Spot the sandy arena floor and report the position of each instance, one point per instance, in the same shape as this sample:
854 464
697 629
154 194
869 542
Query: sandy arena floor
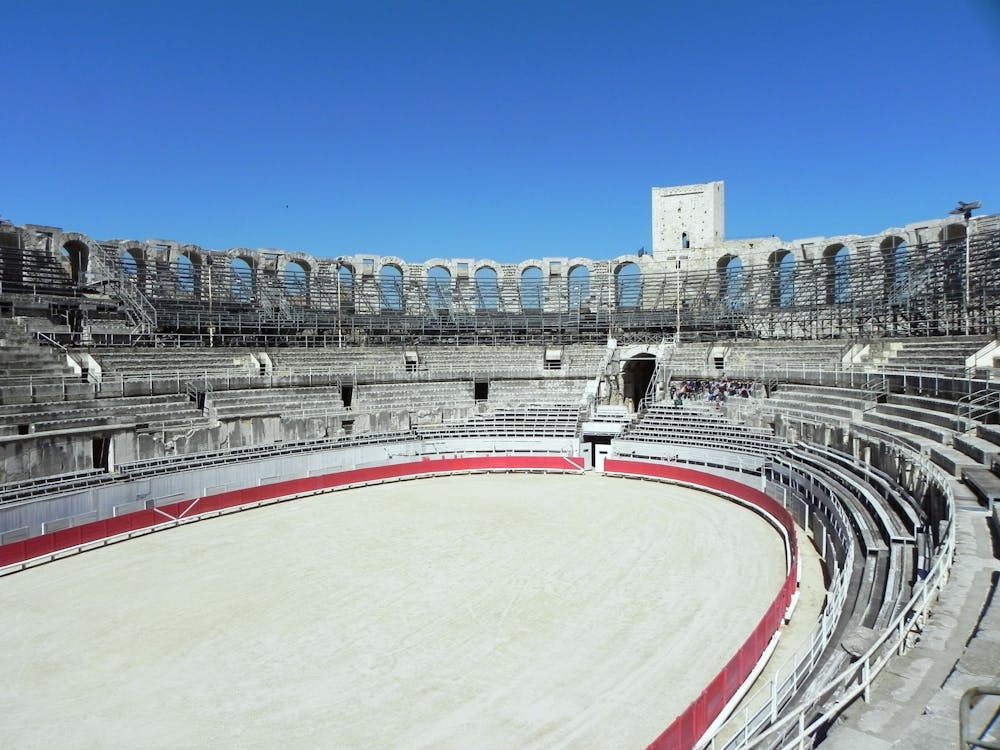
469 612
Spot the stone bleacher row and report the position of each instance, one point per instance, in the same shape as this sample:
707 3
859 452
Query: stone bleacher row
528 421
932 426
888 524
944 356
365 363
697 424
146 413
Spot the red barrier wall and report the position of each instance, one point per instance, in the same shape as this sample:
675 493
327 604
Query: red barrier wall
691 725
686 729
46 544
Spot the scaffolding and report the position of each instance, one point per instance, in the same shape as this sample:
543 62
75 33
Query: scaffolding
936 288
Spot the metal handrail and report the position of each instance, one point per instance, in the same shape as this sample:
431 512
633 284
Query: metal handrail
798 666
967 741
47 339
856 679
977 406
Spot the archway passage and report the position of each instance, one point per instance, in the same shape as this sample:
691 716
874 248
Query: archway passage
636 374
76 254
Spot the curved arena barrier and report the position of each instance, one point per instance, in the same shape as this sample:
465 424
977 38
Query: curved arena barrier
725 690
46 547
684 732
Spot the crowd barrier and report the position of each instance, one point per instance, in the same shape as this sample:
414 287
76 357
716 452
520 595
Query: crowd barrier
694 723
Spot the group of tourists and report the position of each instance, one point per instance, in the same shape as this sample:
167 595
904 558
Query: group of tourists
717 391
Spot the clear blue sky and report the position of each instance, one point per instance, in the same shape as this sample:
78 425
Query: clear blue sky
479 129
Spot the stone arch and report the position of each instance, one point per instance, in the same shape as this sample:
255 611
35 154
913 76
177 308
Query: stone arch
131 262
74 252
730 269
186 273
895 268
438 287
578 286
531 284
242 273
953 257
340 275
295 276
637 372
837 262
628 285
781 264
487 287
390 288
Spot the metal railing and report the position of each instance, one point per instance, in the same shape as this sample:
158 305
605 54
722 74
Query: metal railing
981 406
794 727
966 739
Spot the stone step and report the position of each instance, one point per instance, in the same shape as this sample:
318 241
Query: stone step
913 426
930 416
981 450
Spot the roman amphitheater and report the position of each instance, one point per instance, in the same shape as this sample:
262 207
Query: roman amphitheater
724 493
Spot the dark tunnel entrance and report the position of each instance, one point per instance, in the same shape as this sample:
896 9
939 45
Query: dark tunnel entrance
636 374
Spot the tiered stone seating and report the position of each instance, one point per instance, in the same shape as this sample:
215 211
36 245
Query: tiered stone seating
483 361
607 420
31 372
985 480
926 425
872 552
154 371
698 424
296 402
34 274
816 402
367 364
890 525
148 412
449 398
520 392
689 360
529 421
782 356
945 356
583 360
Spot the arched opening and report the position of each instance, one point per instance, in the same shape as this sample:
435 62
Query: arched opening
487 290
242 280
75 254
895 265
345 286
782 268
838 274
296 280
953 260
439 288
685 242
628 286
579 287
390 287
637 373
185 275
731 281
129 263
531 288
